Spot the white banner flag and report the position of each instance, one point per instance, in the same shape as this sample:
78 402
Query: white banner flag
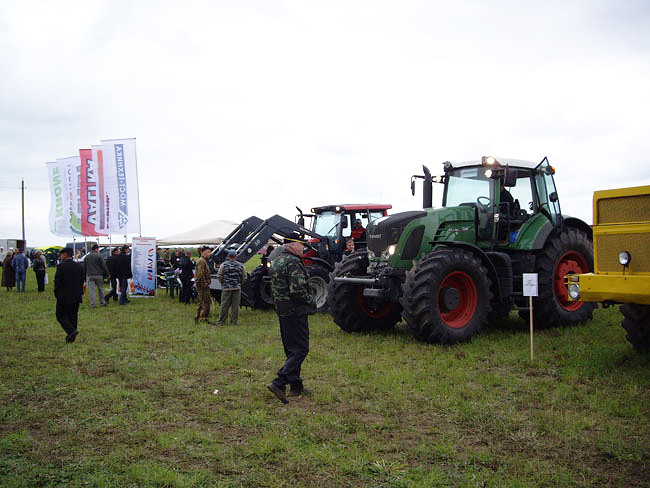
143 265
120 172
65 208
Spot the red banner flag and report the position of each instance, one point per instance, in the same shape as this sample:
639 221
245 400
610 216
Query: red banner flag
90 193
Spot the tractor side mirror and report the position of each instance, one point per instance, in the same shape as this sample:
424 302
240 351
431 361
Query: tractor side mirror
412 187
510 177
344 222
301 221
553 197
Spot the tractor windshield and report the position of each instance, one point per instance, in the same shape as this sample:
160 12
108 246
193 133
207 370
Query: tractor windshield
465 186
327 224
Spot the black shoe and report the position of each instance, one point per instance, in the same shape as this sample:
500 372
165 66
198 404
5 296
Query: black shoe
71 337
304 391
278 392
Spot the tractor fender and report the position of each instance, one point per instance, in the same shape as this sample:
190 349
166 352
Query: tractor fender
487 262
542 236
325 264
579 224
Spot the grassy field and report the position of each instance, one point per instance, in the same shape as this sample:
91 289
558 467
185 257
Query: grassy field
145 397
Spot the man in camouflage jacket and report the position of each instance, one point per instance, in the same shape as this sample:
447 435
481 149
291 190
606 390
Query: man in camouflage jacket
294 302
202 280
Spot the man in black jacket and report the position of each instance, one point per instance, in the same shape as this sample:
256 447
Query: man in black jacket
111 264
68 290
124 273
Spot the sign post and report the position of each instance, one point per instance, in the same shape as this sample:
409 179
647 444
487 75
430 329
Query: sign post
530 291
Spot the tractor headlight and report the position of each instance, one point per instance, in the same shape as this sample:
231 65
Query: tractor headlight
624 258
489 160
391 249
488 173
574 291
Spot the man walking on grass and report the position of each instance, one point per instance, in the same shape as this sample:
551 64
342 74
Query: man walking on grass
231 275
202 280
68 290
294 303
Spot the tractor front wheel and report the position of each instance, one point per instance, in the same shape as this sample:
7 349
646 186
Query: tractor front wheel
258 290
350 309
446 297
636 323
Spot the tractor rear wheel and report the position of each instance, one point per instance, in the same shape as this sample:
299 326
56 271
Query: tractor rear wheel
258 290
636 323
352 311
446 297
318 280
569 252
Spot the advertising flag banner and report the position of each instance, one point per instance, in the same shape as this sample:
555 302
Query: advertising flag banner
143 265
65 210
59 219
89 193
72 166
120 171
104 197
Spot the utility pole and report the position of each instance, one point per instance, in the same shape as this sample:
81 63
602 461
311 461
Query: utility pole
22 191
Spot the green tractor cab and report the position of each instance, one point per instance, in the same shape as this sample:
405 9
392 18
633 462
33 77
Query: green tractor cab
449 271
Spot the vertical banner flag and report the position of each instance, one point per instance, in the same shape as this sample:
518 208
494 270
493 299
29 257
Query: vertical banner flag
65 210
89 193
143 265
59 220
120 171
102 223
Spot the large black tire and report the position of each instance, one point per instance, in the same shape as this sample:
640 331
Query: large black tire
636 323
350 310
257 291
319 278
568 252
446 297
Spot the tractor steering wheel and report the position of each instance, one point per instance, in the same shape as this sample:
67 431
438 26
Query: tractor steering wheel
484 206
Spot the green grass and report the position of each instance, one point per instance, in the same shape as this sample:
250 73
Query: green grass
133 403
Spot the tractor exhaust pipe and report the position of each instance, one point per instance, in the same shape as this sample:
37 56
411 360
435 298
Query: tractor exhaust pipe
427 188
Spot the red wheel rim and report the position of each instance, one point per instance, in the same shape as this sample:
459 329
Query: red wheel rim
463 313
371 312
571 262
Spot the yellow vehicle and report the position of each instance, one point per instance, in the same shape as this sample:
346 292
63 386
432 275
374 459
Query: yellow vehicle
621 260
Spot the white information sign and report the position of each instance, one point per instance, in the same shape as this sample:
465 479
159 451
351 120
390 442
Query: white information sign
530 284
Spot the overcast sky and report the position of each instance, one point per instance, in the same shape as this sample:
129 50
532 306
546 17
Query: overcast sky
246 108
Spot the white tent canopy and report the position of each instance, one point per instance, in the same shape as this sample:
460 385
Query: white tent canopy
210 233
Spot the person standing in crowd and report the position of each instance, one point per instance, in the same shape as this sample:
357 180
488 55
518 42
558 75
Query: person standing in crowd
124 273
294 303
202 280
39 267
95 271
8 274
68 290
187 273
111 265
231 275
175 259
20 264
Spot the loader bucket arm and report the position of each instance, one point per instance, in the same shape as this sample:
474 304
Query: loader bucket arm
237 236
273 228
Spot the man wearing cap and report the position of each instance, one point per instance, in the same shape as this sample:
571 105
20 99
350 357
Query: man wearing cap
231 275
202 280
68 290
95 271
294 302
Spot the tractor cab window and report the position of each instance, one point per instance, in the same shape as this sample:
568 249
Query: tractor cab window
328 224
546 192
469 187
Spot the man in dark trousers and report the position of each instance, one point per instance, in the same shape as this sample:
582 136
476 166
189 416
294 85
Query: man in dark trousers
124 273
294 302
111 264
68 290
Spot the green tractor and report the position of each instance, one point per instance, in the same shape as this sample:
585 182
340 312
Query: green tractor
450 271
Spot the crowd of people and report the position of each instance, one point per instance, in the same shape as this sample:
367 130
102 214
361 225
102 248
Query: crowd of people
289 284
